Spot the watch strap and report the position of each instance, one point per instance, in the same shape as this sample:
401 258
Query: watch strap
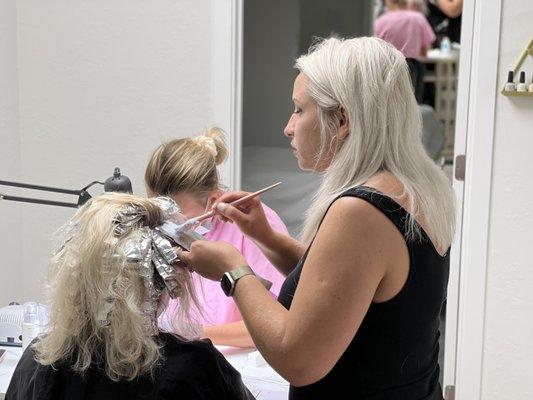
240 272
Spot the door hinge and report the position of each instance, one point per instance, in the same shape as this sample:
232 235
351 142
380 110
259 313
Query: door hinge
449 392
460 167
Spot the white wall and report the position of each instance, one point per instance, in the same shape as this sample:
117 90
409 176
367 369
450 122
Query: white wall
10 231
508 348
101 83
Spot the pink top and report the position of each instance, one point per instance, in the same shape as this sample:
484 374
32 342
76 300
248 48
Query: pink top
218 308
407 30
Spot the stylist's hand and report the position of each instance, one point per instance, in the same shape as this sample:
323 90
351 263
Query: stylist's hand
249 216
212 259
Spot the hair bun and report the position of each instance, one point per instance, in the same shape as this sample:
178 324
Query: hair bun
207 143
213 141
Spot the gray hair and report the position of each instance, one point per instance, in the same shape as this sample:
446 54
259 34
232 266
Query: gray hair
369 79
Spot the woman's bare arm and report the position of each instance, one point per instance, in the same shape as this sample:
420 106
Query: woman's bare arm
282 251
341 274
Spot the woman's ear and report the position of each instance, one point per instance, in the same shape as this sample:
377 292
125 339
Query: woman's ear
214 196
344 124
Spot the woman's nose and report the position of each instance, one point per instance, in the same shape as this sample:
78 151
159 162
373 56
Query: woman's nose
289 128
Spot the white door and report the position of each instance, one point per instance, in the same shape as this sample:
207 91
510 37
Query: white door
473 148
226 81
473 140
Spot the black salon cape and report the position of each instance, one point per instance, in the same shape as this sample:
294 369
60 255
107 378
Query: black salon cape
189 371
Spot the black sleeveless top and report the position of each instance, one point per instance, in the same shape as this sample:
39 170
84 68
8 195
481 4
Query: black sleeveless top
394 355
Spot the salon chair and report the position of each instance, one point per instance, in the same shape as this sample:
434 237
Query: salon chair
432 132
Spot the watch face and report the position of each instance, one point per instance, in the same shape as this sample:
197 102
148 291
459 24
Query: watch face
226 284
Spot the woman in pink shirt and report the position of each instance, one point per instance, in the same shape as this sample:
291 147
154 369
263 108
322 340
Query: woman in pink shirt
186 171
409 32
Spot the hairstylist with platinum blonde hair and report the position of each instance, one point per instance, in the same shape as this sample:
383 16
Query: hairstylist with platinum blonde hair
358 316
186 170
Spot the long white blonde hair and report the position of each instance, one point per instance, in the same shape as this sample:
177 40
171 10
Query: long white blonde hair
90 268
369 79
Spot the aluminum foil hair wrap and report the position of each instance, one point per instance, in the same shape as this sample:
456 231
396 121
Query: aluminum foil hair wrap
153 251
163 256
170 209
127 218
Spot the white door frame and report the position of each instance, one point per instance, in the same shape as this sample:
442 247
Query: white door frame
474 138
478 81
226 81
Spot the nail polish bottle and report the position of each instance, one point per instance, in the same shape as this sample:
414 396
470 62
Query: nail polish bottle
510 86
531 86
522 87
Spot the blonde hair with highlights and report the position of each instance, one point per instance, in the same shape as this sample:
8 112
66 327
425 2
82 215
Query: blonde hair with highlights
88 271
369 79
187 165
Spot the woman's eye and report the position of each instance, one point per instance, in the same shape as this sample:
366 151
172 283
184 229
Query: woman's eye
297 111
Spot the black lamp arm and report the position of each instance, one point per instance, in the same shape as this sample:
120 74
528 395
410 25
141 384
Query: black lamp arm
39 187
117 183
83 195
37 201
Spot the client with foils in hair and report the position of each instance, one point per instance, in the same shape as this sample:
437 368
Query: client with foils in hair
110 279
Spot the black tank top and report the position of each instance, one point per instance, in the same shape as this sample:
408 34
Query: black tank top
394 355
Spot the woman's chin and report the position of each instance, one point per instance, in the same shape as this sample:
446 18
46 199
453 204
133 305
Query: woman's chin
311 166
303 165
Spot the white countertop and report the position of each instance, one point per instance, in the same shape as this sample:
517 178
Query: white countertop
8 366
257 375
435 55
261 380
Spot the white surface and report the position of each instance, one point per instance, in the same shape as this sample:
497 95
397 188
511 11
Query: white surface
495 327
11 318
7 367
452 302
226 77
476 205
261 380
507 346
10 278
257 375
437 55
97 84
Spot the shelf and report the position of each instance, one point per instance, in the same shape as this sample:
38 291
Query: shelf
517 94
528 51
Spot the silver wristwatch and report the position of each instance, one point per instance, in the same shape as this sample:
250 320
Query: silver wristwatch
229 280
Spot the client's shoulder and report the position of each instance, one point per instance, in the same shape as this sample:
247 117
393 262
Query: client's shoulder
197 370
31 378
181 352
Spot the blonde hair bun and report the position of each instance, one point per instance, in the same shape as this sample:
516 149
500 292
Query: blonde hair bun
213 141
187 164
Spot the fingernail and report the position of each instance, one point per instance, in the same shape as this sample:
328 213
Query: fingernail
221 207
